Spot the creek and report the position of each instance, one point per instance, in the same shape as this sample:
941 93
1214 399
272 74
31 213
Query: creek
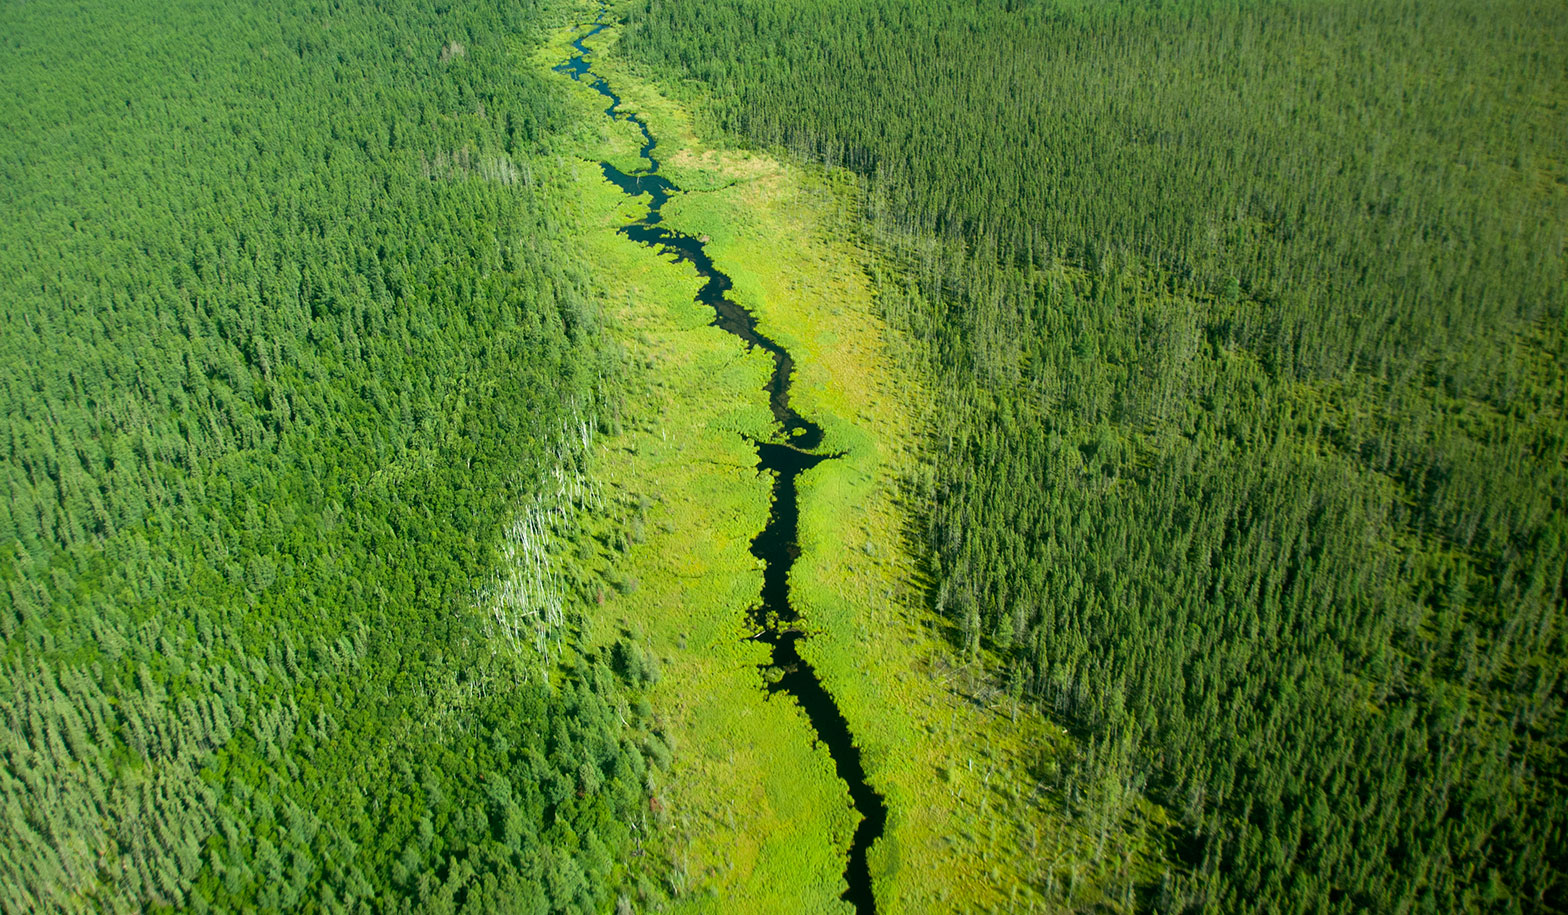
793 452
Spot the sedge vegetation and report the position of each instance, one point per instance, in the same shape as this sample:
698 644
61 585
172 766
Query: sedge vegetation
1244 327
750 815
297 392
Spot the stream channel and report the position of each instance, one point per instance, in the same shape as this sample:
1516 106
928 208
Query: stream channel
786 459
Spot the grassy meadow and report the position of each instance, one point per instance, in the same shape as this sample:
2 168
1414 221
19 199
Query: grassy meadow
753 815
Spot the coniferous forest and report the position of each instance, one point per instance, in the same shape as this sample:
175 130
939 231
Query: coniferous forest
1251 456
338 573
286 348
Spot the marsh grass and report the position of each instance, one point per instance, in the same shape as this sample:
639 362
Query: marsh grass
753 817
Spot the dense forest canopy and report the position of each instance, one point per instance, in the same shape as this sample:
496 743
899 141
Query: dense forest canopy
1247 326
1246 323
287 349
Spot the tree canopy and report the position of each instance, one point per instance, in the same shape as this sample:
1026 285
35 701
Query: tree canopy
1246 323
288 348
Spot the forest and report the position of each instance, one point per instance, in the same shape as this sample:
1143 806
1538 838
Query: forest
1246 327
1236 509
290 365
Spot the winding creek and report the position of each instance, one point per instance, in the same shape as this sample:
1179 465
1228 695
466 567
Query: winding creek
786 459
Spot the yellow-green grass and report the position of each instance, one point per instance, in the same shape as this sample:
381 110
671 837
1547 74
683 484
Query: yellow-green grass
759 823
750 816
960 833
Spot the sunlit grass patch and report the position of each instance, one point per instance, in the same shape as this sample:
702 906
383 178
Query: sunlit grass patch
754 817
749 815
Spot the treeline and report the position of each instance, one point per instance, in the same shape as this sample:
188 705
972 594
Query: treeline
287 348
1246 322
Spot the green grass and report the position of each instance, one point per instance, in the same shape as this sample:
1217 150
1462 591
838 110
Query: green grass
750 815
956 838
937 757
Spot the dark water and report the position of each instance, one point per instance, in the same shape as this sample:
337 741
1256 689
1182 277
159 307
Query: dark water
786 459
